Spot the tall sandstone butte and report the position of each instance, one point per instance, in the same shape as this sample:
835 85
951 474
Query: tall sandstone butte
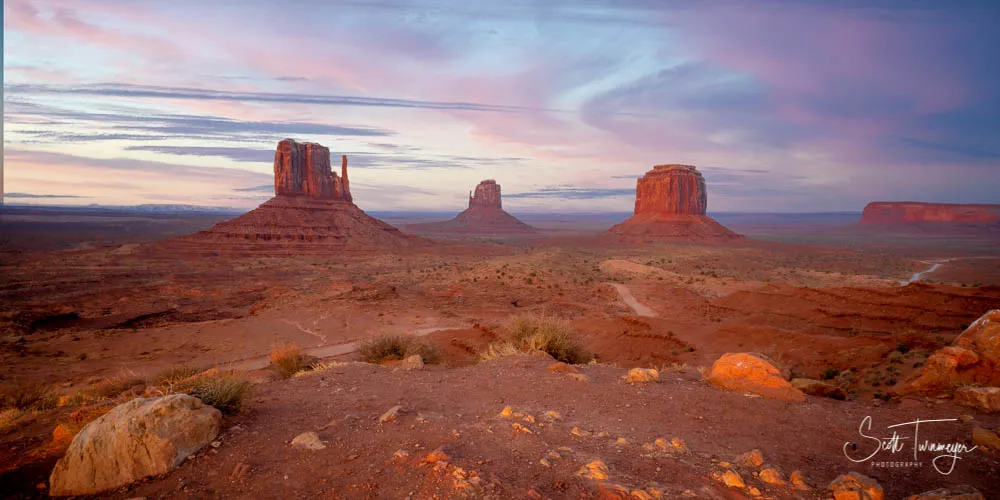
303 169
485 215
671 201
910 212
311 205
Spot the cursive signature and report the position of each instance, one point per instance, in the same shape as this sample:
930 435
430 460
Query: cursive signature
948 454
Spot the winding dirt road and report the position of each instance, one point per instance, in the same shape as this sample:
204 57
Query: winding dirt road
630 301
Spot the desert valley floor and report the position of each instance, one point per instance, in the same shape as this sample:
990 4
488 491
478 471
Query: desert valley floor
119 299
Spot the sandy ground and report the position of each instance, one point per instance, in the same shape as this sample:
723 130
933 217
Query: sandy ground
126 305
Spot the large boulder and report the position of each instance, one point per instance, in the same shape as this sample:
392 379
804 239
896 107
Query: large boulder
972 359
140 438
984 398
854 486
751 373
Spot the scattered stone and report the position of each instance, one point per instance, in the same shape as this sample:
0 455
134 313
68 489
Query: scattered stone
554 455
963 492
579 377
770 475
679 445
984 398
750 373
561 367
985 438
966 418
216 444
140 438
753 458
819 388
612 491
974 356
391 415
854 486
642 376
798 481
545 462
308 441
518 428
441 454
621 442
507 412
414 362
400 455
596 470
552 415
732 479
576 431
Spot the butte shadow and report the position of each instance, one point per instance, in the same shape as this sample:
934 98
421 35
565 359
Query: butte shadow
671 202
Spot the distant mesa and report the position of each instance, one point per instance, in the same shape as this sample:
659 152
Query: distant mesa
312 204
671 202
909 213
485 216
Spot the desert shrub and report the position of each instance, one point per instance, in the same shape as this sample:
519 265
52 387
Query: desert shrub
28 396
498 350
287 360
223 390
114 386
392 347
173 376
530 332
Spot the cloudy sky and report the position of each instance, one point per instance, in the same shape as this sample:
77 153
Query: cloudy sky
785 106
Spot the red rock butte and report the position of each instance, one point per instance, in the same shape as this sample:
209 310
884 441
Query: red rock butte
670 203
312 206
909 212
485 215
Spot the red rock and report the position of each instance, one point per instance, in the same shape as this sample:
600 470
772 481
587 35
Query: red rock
312 205
882 212
750 373
485 215
973 358
304 170
487 194
671 202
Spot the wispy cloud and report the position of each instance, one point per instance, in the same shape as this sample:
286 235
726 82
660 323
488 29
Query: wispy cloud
572 193
30 195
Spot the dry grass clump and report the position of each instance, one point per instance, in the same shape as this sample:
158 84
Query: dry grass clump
389 347
529 332
113 387
27 396
287 360
223 390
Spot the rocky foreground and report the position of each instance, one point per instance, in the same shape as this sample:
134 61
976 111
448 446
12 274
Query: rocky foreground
526 426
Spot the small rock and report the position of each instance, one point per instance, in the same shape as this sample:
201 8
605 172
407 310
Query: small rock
596 470
985 438
552 415
507 412
678 445
561 367
579 377
770 475
441 454
966 418
854 486
518 428
963 492
414 362
984 398
621 442
753 458
732 479
576 431
642 376
400 455
798 481
308 441
611 491
545 462
216 444
754 491
819 388
391 415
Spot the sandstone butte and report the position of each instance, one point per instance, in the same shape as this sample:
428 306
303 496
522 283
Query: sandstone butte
485 215
311 205
907 213
671 201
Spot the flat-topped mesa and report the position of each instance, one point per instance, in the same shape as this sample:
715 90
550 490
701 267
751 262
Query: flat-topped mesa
911 212
671 203
671 189
303 169
487 194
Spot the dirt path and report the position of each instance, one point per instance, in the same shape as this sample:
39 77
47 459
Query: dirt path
326 351
630 301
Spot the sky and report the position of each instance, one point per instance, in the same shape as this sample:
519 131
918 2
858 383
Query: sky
785 106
